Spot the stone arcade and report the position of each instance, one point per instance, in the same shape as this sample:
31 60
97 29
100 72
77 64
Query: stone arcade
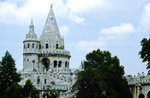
45 60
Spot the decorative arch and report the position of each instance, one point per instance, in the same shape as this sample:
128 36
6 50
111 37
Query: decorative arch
46 62
148 94
141 96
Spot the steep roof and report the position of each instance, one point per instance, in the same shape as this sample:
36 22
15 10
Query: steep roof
31 34
51 27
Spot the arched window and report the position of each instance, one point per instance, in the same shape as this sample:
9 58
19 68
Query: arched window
55 64
66 64
38 81
46 45
59 65
56 46
141 96
28 45
148 95
45 81
32 45
46 63
39 46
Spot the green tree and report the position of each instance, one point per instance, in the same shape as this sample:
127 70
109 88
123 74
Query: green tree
52 93
8 74
102 77
145 51
30 90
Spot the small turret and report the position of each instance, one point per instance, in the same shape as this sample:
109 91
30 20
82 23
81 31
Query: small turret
30 50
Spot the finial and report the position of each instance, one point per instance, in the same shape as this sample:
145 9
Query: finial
51 5
31 24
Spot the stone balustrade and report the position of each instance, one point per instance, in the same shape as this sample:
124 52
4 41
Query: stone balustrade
138 80
55 51
47 51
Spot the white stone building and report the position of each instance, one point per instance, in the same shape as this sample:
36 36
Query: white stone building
45 60
139 86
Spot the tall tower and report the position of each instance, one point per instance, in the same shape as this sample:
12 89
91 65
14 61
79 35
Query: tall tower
52 53
45 60
30 50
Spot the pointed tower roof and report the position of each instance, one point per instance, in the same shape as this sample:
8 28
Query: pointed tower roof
51 27
31 34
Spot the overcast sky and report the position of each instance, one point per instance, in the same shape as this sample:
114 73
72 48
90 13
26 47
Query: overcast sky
114 25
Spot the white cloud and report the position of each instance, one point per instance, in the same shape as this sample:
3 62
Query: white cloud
122 29
90 45
21 11
76 18
64 30
77 6
106 35
144 24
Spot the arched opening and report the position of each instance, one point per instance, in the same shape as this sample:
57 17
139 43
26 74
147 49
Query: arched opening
32 45
39 46
55 64
141 96
66 64
46 45
38 81
45 81
46 63
28 45
148 95
59 65
56 46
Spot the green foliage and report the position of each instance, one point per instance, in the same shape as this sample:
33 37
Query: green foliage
102 77
29 89
61 47
9 78
145 51
52 93
8 74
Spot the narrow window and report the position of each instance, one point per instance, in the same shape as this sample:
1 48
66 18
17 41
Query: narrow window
39 46
66 64
59 65
38 81
45 81
28 45
56 46
46 46
55 64
32 45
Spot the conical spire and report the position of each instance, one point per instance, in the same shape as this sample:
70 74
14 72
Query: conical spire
31 34
51 27
31 29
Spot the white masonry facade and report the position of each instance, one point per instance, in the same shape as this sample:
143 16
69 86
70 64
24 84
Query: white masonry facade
45 59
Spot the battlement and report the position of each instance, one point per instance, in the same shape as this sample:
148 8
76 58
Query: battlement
138 80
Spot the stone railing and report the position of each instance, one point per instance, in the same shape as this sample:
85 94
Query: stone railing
55 51
138 80
54 75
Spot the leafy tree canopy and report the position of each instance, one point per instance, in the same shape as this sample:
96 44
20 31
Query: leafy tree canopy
102 77
145 51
